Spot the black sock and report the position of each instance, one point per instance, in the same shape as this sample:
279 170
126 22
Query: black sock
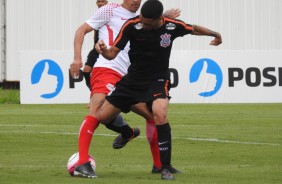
164 136
126 131
114 128
117 125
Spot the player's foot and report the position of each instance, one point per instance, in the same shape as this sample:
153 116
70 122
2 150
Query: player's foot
166 175
171 169
85 171
120 141
156 170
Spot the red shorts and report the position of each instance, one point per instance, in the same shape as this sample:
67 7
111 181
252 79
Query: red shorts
103 80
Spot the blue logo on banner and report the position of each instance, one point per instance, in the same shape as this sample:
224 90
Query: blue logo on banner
212 68
44 69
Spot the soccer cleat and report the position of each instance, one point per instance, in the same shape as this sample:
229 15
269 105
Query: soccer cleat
120 142
156 170
171 169
166 175
85 171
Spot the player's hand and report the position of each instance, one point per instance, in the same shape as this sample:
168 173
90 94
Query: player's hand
100 46
75 68
217 40
172 13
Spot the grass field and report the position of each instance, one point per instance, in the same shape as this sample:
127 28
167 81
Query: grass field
234 143
212 143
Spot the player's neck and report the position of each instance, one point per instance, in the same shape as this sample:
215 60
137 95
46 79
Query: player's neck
125 6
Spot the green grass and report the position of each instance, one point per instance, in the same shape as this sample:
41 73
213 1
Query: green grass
212 143
11 96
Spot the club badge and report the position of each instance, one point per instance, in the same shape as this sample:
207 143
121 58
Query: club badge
165 42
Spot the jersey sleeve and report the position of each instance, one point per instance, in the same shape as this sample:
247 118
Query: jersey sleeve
183 28
102 16
123 36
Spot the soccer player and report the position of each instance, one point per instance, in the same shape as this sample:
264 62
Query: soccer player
93 54
108 20
150 36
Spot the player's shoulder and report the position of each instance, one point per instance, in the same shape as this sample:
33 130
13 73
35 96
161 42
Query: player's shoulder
133 20
171 24
170 20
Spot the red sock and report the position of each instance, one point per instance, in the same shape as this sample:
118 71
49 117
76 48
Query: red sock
86 132
152 137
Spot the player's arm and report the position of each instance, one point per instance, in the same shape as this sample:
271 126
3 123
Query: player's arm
78 41
199 30
118 45
108 53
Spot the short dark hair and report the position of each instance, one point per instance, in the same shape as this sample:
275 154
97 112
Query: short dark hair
152 9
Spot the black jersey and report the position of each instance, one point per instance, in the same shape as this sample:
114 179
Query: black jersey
149 49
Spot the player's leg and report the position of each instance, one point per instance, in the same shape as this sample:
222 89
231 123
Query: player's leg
160 108
87 129
121 100
103 80
152 138
151 134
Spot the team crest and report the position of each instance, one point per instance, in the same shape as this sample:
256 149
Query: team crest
165 42
170 26
138 26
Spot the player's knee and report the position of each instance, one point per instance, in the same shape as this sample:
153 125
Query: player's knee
160 119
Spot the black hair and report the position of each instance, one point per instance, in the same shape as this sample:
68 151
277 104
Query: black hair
152 9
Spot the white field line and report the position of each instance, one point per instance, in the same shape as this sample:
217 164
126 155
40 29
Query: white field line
179 138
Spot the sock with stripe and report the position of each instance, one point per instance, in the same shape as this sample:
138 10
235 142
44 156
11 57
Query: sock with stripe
86 132
164 136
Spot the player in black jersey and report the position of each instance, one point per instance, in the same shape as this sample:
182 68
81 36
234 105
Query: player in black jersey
151 36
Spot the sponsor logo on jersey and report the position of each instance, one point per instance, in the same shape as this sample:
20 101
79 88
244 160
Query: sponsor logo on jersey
165 42
138 26
123 18
170 26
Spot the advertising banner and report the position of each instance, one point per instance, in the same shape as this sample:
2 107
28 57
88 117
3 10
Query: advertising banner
196 77
45 79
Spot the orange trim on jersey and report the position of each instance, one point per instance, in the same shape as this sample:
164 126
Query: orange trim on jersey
179 22
123 27
166 87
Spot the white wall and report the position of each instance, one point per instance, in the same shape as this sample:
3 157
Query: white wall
2 39
50 25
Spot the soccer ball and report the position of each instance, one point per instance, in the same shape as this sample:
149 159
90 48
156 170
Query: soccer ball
72 163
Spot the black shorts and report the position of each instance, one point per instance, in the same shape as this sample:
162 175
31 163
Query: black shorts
127 93
92 58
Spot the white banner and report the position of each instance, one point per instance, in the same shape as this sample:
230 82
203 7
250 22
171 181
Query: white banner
197 77
45 79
